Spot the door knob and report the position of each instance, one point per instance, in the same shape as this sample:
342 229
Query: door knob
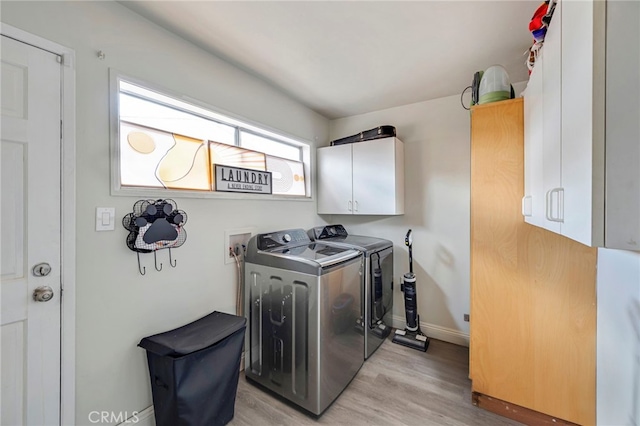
43 294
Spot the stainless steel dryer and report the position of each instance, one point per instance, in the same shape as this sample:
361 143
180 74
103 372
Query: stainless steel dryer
375 318
302 300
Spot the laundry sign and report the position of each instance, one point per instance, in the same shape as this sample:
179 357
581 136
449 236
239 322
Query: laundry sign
236 179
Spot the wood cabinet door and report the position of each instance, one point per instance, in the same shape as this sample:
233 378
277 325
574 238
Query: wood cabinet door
500 352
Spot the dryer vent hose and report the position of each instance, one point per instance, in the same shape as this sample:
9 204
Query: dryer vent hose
239 283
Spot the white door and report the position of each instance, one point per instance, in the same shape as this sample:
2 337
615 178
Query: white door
30 225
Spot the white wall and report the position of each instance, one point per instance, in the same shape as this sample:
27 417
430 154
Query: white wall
437 170
116 306
618 357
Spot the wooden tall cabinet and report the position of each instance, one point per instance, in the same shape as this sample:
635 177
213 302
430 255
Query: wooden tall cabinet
533 292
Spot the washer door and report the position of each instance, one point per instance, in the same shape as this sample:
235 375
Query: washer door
341 344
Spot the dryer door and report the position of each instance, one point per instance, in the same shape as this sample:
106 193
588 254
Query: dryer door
381 279
379 299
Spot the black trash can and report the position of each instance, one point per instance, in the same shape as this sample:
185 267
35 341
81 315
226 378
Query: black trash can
194 370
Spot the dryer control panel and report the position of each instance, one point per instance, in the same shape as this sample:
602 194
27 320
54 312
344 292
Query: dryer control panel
290 237
329 231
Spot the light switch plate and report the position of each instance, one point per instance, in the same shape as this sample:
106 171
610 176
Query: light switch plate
105 218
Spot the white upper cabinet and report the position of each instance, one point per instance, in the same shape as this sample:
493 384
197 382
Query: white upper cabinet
335 192
533 203
543 130
552 124
590 64
622 226
583 71
364 178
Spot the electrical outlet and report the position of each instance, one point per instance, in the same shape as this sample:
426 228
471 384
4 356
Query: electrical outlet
235 239
466 317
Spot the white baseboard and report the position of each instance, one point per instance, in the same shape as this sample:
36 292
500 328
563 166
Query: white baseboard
143 418
435 331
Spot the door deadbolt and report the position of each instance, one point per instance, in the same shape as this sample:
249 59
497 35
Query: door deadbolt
43 294
41 269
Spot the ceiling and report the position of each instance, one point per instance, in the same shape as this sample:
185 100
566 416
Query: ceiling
343 58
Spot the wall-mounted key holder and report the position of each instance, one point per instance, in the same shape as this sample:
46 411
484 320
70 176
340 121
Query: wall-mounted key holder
155 225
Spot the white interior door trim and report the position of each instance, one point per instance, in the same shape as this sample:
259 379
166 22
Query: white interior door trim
68 214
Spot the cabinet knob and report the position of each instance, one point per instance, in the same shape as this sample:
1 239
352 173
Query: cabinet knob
527 208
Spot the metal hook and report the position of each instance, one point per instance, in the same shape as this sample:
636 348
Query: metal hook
142 269
173 263
155 259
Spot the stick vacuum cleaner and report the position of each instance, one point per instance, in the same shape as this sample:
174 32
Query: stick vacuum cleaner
411 336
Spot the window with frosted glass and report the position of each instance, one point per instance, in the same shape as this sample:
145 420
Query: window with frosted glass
166 143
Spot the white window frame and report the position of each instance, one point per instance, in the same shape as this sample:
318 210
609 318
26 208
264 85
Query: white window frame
228 118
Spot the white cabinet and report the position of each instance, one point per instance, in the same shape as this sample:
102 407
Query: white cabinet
362 178
583 73
543 129
335 190
552 125
564 151
622 177
533 200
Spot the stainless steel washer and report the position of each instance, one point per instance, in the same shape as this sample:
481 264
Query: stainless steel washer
377 290
302 300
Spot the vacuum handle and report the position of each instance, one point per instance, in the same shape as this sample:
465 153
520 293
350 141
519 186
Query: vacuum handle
410 260
408 241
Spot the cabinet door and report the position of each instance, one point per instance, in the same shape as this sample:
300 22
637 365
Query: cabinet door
334 180
583 120
374 177
623 126
533 203
552 123
500 352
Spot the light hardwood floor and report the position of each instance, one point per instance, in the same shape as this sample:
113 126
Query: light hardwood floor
395 386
